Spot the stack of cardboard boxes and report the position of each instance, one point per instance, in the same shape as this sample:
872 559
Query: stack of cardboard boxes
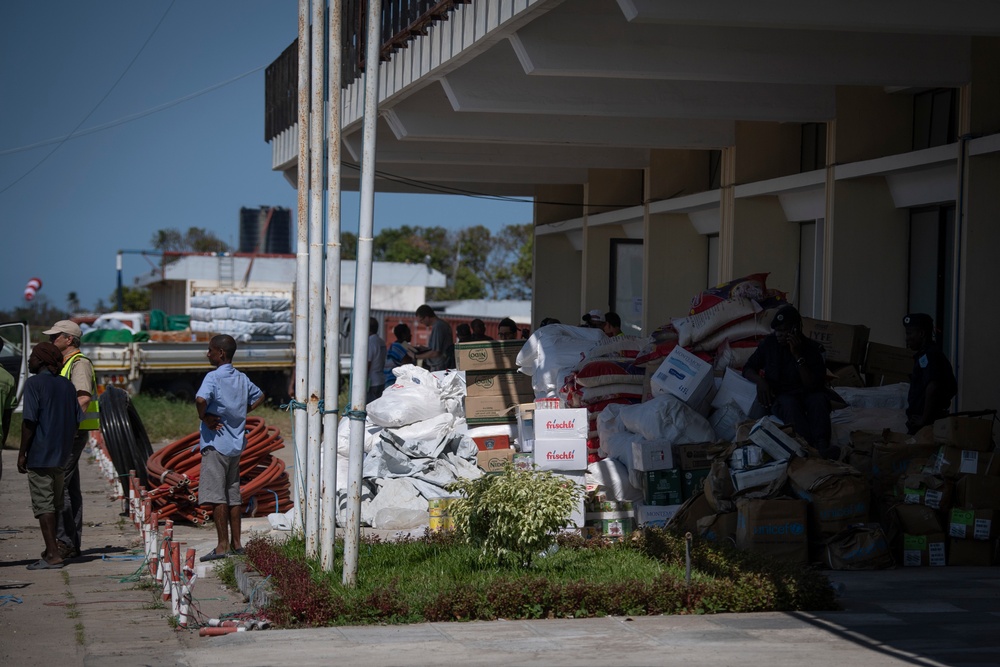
494 389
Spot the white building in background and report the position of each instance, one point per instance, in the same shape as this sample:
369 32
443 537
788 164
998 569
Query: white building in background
849 149
395 286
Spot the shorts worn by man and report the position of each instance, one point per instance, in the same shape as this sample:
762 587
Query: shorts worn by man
225 397
50 419
78 369
790 374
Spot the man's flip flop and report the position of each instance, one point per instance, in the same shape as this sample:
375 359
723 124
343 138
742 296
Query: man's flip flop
42 564
237 552
212 555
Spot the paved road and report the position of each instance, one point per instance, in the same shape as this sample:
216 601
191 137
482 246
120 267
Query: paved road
91 613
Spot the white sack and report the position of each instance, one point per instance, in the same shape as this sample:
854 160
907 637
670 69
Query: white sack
372 435
414 397
552 352
666 418
612 476
424 439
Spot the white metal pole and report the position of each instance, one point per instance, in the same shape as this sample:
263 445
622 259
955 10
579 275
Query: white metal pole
331 389
302 270
362 295
316 135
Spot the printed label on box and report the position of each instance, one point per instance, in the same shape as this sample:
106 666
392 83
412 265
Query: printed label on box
935 554
982 529
561 454
932 498
970 462
566 424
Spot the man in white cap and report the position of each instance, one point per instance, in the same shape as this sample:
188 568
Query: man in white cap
78 369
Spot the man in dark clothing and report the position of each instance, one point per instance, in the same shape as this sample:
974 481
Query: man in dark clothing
932 383
790 374
50 420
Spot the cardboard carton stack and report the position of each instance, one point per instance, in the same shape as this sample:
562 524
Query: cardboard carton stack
494 388
561 446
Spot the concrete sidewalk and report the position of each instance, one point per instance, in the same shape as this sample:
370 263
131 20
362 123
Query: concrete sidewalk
93 613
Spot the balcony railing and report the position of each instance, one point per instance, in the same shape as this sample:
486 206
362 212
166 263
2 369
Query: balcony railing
402 21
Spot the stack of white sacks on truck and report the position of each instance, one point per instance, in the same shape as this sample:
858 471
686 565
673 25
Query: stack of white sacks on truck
246 316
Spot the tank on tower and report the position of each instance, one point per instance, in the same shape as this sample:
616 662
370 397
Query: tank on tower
266 230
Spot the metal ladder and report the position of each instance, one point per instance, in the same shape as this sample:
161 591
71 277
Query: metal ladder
226 270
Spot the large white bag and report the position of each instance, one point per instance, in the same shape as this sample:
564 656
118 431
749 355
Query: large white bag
414 397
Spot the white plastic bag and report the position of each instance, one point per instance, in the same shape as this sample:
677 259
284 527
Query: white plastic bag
414 397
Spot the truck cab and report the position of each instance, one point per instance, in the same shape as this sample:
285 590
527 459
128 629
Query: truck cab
14 355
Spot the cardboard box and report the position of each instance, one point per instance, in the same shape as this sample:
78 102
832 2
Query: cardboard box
655 516
662 487
488 355
697 456
692 482
511 385
761 476
492 441
973 524
953 462
930 490
736 389
774 527
493 460
924 550
978 492
719 528
916 520
683 375
568 424
973 553
746 456
965 433
524 461
576 518
492 408
847 376
779 445
652 455
614 525
837 494
526 426
860 547
886 364
560 454
843 343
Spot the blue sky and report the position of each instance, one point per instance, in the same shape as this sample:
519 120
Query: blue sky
193 164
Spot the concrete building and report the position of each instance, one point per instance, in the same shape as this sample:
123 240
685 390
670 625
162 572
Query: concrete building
850 149
395 286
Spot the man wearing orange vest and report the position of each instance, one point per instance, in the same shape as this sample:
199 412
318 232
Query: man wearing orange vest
65 335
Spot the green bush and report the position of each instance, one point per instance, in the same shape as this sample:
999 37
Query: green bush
513 515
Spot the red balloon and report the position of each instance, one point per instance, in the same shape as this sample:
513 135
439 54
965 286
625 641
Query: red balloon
33 286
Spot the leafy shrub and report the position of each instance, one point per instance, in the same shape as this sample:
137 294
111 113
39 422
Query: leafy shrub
513 515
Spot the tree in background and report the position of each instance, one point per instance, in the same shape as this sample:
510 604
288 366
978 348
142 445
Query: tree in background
134 299
195 239
73 302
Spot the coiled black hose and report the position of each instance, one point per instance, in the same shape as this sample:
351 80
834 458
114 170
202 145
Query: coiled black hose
124 435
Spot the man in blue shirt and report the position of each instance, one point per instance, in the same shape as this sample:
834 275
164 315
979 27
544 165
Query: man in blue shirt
224 399
50 419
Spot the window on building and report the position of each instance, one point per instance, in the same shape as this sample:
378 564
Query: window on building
809 288
812 155
931 288
935 118
626 283
712 279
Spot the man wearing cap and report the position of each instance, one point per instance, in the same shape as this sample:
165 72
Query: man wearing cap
51 415
932 383
65 335
790 374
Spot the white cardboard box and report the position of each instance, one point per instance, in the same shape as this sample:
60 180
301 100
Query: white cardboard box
751 477
561 455
740 391
577 517
655 515
769 437
684 375
652 455
568 424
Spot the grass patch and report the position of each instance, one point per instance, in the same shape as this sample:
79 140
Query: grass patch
225 570
438 578
80 639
